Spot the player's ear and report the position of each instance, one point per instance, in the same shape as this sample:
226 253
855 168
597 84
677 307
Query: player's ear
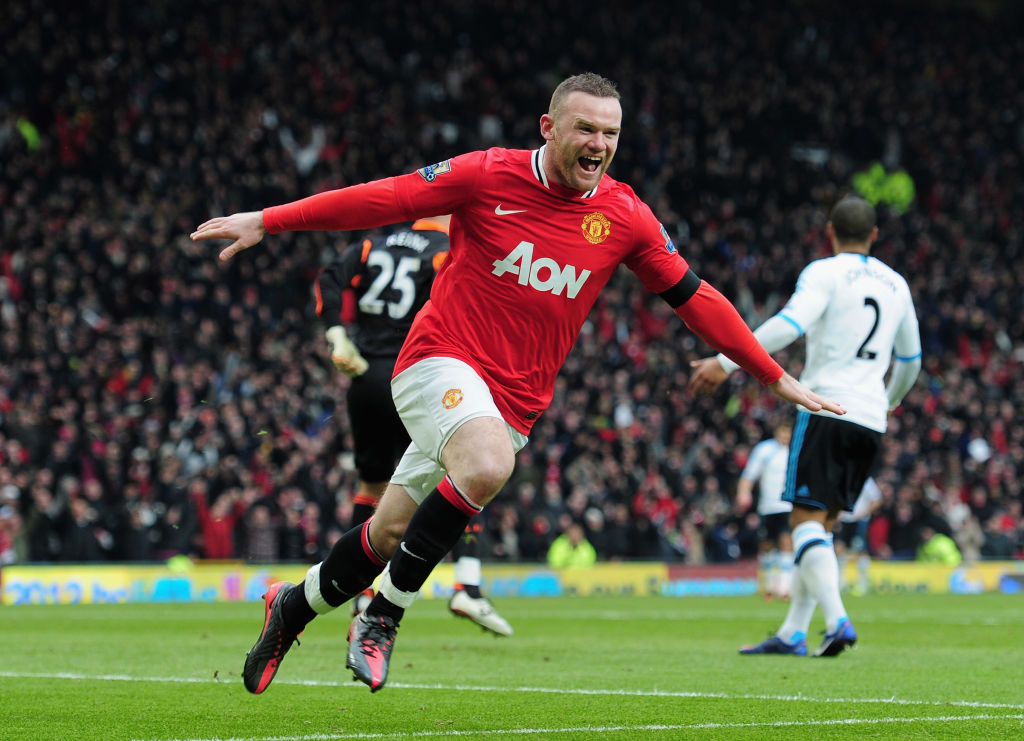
547 127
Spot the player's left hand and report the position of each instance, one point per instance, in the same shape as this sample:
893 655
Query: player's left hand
793 391
344 354
708 375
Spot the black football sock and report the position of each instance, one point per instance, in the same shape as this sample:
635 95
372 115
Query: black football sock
296 610
349 568
435 527
361 512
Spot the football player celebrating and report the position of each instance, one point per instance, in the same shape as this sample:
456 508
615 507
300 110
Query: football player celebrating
535 235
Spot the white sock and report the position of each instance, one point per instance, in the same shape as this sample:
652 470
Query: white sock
784 574
819 569
393 594
801 610
468 571
768 569
311 588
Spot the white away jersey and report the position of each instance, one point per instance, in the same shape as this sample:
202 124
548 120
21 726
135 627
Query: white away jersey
856 312
767 466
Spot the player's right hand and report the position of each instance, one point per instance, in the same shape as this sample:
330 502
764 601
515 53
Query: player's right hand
246 229
792 390
708 375
344 354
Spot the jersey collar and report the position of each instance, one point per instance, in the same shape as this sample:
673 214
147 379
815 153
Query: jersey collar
537 160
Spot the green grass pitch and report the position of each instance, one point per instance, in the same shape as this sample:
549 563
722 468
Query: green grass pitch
926 667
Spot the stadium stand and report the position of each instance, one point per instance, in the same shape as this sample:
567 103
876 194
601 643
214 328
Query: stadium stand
154 403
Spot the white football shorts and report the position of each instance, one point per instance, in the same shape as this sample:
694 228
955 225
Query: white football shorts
435 397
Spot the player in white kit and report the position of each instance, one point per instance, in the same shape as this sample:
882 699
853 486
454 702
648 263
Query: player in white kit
859 319
766 469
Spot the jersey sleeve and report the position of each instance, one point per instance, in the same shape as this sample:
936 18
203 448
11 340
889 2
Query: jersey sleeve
441 188
907 343
715 319
654 259
429 191
907 352
755 463
362 206
811 297
775 334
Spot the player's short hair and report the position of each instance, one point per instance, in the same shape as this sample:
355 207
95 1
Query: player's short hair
585 82
852 219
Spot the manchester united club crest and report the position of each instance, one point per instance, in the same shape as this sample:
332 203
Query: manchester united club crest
596 227
452 398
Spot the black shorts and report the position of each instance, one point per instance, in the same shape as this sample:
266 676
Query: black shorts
773 526
378 434
851 534
829 460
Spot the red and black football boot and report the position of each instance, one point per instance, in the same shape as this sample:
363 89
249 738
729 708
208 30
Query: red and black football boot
264 658
370 640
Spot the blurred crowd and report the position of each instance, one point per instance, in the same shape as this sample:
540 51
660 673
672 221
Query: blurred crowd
154 402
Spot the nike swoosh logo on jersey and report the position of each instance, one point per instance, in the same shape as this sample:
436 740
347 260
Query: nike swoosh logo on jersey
499 211
402 546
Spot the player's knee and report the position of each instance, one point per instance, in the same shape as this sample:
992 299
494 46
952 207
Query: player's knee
479 458
481 478
386 532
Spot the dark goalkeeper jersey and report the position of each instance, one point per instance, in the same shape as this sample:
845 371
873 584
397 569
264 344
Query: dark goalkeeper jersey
391 277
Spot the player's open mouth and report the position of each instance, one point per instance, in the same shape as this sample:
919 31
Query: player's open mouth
590 164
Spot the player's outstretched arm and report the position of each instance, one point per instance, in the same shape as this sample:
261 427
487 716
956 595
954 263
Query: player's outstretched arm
708 375
793 391
245 229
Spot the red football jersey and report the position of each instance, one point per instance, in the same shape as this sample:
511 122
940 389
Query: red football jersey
527 261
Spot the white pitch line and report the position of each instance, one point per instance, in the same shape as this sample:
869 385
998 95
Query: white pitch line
615 729
536 690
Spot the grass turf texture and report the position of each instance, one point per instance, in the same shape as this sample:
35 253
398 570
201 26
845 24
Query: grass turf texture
927 666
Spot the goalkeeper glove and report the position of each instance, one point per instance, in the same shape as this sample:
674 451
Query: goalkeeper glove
344 354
